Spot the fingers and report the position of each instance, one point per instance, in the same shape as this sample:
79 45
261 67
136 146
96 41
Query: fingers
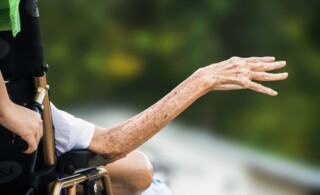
33 140
262 89
38 135
240 72
33 143
260 59
263 66
263 76
40 130
226 87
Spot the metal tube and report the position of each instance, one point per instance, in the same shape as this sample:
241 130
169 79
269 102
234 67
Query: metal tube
72 190
48 135
41 94
77 179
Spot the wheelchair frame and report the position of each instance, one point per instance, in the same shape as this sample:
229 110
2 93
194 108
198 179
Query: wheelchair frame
78 176
44 178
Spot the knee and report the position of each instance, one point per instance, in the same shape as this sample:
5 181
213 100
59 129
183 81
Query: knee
133 172
142 171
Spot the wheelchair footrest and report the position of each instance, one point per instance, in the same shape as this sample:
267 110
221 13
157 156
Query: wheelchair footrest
89 179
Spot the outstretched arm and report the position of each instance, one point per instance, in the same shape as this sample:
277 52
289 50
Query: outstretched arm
25 123
235 73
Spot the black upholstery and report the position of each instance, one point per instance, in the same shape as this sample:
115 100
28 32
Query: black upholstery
74 160
21 58
22 55
15 166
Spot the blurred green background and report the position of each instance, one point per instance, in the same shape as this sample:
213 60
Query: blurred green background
134 52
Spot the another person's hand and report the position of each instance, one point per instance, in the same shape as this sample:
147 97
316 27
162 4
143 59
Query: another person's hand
238 73
23 122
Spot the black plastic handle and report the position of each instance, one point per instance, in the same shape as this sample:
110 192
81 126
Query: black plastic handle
20 144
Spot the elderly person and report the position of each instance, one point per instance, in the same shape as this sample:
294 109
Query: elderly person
131 172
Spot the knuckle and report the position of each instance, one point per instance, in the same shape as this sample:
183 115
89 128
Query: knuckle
242 62
247 73
33 147
246 84
234 58
237 60
36 126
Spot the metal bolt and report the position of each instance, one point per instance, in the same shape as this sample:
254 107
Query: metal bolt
95 188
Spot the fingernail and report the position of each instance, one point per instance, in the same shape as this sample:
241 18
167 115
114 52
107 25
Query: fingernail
283 62
274 93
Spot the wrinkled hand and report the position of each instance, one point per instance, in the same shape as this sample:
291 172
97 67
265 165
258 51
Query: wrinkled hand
238 73
25 123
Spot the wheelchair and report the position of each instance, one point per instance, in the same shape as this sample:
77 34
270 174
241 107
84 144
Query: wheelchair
39 173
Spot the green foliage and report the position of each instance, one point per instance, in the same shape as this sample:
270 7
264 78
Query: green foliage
136 51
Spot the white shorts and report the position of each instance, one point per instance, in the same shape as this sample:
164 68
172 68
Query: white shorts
157 188
70 132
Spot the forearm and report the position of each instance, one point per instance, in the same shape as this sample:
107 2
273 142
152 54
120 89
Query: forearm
19 120
4 98
231 74
118 141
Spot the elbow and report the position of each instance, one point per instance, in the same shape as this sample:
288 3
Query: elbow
105 146
111 155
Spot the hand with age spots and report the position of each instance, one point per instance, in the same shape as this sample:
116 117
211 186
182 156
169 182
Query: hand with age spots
235 73
238 73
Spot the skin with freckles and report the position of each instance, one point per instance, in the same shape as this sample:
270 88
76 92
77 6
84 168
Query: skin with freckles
232 74
133 174
238 73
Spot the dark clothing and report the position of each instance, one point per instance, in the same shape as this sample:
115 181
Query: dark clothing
22 55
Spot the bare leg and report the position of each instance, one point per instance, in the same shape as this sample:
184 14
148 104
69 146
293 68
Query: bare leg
131 175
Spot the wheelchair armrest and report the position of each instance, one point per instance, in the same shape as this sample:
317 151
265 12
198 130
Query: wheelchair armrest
73 160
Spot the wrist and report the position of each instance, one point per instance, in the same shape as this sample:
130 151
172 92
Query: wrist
5 107
204 80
